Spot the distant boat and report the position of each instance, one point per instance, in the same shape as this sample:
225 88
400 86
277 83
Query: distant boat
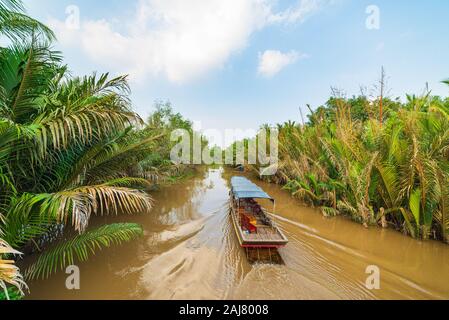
252 223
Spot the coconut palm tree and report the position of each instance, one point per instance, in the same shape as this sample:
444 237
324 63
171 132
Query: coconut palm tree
13 24
67 146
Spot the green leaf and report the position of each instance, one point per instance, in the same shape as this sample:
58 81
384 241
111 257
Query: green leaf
81 248
415 205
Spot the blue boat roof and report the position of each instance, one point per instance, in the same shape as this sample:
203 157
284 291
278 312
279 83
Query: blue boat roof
242 188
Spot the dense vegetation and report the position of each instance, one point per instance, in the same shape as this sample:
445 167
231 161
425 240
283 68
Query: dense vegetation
379 161
70 148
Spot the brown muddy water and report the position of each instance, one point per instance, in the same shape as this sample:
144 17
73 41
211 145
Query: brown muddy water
189 251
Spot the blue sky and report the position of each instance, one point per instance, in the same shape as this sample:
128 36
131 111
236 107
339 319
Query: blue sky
242 63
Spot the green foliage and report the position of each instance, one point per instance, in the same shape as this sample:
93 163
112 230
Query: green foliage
70 148
164 121
81 247
13 295
15 25
347 162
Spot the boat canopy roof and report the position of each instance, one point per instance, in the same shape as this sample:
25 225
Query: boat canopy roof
242 188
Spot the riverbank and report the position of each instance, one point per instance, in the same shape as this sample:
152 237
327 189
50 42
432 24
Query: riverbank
381 162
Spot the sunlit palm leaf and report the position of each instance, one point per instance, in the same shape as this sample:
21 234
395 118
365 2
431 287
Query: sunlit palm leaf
9 272
110 200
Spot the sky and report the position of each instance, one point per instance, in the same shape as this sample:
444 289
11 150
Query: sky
238 64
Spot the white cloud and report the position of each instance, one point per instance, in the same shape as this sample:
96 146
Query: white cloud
179 39
299 12
272 62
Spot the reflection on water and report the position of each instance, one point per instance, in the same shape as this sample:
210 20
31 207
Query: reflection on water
189 251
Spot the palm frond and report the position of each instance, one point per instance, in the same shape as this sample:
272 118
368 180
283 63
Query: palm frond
26 72
112 161
9 272
111 200
16 26
14 5
128 182
89 123
81 247
29 217
442 214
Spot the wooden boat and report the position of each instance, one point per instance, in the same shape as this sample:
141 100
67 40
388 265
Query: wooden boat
252 223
